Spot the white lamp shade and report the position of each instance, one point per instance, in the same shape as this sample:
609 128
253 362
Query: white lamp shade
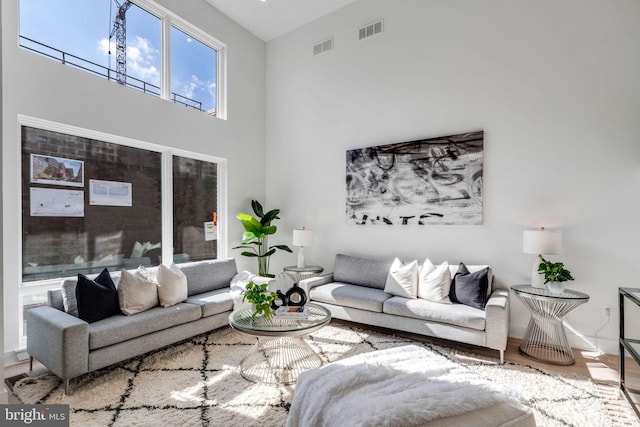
302 237
542 242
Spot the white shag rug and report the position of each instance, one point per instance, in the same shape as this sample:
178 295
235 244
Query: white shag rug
197 383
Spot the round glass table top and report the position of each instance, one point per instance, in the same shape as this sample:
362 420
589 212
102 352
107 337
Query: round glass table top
544 292
280 326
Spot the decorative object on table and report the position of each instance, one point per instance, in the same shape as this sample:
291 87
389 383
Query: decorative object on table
302 238
256 233
554 275
261 298
540 242
292 312
433 181
280 300
296 296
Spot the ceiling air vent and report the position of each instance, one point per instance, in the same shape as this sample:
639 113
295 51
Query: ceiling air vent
370 30
323 46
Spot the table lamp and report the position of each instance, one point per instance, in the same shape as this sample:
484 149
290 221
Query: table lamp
540 242
302 238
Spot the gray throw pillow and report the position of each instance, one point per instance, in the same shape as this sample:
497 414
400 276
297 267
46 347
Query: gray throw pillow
172 285
136 293
69 300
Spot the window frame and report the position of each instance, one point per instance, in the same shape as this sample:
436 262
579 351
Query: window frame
167 20
167 153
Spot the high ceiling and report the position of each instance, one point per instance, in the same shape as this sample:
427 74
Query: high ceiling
272 18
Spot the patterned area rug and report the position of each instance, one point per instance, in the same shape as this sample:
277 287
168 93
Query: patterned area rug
197 383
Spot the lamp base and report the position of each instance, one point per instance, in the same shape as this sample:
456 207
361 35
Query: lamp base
301 257
537 279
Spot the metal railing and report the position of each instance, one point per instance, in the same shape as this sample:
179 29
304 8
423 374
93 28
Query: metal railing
67 58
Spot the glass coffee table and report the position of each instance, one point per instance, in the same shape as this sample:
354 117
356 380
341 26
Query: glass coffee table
280 353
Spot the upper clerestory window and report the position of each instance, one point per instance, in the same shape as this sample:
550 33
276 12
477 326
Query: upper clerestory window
122 42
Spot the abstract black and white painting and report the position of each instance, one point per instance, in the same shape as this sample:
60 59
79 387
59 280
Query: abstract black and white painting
435 181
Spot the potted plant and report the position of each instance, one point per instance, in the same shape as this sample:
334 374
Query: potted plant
554 275
256 236
260 297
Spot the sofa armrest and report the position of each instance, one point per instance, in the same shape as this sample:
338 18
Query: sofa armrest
59 341
497 319
308 284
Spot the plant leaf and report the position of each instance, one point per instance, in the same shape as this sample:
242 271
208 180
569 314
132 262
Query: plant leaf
249 254
269 229
283 247
270 216
257 208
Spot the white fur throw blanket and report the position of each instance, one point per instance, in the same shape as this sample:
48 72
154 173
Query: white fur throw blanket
402 386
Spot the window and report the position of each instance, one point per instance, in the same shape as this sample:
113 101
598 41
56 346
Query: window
121 41
91 200
87 204
195 209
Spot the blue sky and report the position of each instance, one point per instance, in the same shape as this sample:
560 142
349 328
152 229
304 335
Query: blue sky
82 28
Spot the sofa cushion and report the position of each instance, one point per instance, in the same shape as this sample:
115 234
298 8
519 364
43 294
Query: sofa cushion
402 280
136 293
213 302
361 271
472 269
172 285
435 282
453 314
121 328
205 276
69 300
97 299
470 288
349 295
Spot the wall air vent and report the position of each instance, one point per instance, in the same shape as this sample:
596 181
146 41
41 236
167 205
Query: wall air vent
370 29
323 46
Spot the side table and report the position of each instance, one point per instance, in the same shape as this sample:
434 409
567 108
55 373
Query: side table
300 273
545 338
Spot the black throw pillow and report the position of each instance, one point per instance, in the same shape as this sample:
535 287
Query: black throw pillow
97 298
470 288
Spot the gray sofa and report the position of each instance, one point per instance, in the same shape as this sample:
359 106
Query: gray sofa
70 347
355 292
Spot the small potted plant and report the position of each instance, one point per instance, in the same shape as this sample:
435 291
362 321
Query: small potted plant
260 297
554 275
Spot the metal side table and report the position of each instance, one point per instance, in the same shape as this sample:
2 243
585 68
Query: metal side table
545 338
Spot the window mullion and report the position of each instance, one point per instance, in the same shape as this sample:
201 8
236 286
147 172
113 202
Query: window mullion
167 207
165 58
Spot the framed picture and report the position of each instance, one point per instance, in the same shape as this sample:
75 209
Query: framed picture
110 193
435 181
56 171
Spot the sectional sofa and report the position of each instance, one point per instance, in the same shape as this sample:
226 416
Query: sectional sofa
355 291
69 346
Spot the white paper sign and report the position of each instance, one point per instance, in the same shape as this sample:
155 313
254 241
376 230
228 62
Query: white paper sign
109 193
54 202
210 231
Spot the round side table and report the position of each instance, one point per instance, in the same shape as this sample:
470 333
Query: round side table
300 273
545 338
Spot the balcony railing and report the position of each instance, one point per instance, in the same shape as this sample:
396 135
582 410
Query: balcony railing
102 71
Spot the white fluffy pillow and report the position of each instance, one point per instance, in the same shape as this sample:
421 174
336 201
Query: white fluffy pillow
172 285
136 293
434 282
402 280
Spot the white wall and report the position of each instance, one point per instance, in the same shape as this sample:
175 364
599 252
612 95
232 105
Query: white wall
554 85
3 392
42 88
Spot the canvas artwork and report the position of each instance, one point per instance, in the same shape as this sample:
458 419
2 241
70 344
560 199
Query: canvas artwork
435 181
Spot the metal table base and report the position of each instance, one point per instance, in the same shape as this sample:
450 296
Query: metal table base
278 360
545 338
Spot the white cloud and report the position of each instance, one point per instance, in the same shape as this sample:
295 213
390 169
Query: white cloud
141 57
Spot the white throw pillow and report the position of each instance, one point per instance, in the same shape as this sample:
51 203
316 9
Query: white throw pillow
402 280
434 282
136 293
172 285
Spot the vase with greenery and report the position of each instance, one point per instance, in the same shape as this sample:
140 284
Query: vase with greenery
554 275
256 236
260 297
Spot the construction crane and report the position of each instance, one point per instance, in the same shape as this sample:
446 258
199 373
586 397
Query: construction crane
120 31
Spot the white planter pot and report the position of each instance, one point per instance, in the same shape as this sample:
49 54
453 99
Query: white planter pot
556 287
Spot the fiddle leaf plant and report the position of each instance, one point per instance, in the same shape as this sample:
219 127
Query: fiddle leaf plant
554 271
261 297
256 236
